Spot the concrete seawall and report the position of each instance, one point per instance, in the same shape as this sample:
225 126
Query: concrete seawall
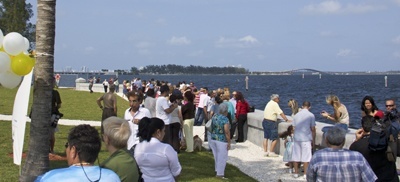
255 132
97 87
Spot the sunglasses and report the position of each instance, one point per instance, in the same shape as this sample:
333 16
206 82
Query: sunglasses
389 105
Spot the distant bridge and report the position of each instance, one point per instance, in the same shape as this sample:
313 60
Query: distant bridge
307 71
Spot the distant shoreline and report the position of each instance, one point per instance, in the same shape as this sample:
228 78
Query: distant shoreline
250 73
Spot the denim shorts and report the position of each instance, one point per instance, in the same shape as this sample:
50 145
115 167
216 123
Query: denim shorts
270 129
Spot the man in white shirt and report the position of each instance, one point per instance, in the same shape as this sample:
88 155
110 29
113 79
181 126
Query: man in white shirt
163 110
133 115
201 113
233 100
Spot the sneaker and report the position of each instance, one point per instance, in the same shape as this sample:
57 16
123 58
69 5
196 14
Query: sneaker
303 178
295 175
266 154
290 170
272 154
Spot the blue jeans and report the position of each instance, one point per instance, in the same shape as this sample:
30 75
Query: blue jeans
198 119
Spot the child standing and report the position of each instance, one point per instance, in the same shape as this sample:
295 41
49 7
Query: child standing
287 156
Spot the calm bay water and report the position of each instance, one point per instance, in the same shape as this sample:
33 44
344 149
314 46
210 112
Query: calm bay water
349 88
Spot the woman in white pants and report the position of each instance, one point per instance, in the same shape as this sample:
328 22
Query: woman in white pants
220 139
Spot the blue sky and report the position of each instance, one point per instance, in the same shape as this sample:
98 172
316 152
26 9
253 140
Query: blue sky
259 35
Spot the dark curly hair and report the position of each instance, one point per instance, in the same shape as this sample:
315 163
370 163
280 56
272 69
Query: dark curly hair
87 142
287 132
137 94
189 96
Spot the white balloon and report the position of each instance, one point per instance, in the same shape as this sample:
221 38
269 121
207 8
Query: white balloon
1 38
26 44
9 79
5 62
13 43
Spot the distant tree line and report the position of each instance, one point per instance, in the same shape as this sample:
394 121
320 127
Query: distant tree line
178 69
15 16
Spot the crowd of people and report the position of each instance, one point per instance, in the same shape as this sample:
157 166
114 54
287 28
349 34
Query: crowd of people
360 162
149 136
160 115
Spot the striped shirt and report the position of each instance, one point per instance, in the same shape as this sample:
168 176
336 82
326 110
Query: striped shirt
339 165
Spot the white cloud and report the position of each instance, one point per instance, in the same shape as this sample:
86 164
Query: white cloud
335 7
396 40
179 41
327 7
248 39
244 42
344 52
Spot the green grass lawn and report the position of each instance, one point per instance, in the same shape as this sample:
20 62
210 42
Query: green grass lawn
198 166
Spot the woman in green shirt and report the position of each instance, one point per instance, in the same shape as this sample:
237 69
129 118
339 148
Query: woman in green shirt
115 137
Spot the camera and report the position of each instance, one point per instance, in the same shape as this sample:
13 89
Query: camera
391 115
54 119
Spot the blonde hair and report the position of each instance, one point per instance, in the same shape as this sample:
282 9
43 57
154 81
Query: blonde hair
227 92
294 106
117 130
334 101
225 97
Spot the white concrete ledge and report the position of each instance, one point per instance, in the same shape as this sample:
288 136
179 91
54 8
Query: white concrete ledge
255 131
97 87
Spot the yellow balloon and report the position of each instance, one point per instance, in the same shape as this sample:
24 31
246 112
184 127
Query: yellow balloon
21 64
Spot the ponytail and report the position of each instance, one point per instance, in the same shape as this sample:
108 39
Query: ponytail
144 129
148 126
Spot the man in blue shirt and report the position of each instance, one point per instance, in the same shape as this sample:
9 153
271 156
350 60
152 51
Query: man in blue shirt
82 150
304 137
337 164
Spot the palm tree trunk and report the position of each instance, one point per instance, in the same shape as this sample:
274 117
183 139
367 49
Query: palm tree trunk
37 161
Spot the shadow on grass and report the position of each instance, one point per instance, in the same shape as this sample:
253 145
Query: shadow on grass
199 166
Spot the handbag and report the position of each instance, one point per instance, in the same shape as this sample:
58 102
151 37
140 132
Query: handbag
208 125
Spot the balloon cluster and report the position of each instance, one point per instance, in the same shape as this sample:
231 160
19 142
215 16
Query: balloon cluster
15 61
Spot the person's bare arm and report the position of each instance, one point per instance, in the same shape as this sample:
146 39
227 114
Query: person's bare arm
285 118
313 131
99 102
180 117
171 108
205 113
227 135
